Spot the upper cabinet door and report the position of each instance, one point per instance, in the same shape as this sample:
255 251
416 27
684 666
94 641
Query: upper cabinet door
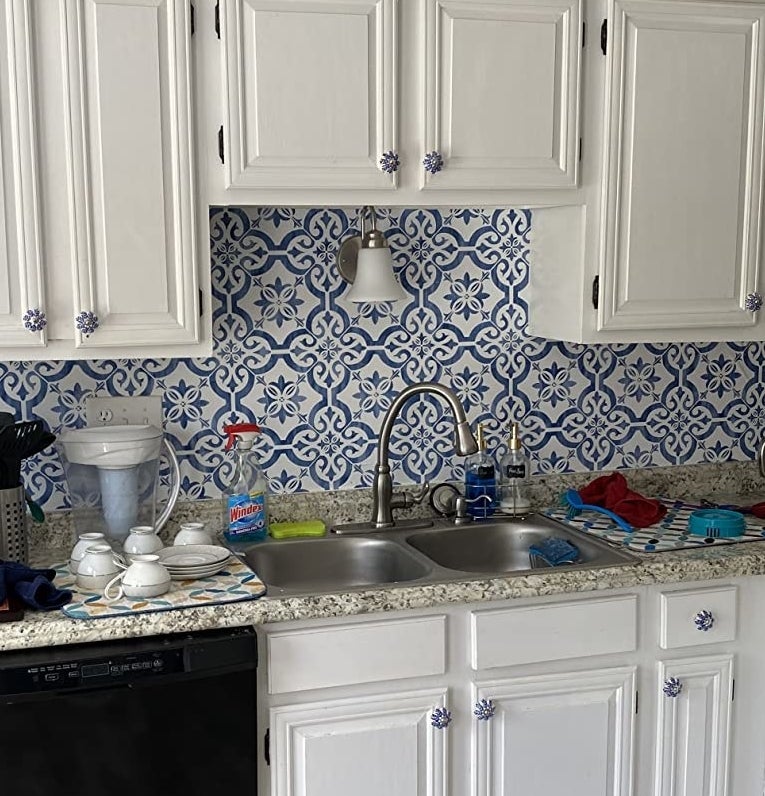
502 93
683 164
132 168
21 282
310 88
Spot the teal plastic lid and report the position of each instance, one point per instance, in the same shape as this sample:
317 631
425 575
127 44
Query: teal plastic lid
717 523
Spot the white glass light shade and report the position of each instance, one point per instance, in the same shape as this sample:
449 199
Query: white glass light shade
374 278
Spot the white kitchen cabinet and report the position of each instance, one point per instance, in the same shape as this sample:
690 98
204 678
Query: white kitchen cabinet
117 180
502 93
668 246
315 92
692 729
569 732
311 93
375 745
21 281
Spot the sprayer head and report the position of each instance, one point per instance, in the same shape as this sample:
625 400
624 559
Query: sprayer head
245 432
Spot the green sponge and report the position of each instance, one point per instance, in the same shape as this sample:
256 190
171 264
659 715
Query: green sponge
289 530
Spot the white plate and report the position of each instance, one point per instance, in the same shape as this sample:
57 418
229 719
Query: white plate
192 555
198 575
192 567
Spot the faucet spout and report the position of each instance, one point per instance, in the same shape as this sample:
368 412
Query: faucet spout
465 444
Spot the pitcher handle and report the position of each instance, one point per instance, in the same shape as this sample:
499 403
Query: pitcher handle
761 459
175 487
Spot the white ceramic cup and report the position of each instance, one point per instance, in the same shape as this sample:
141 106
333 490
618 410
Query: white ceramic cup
192 533
84 541
142 541
97 567
145 577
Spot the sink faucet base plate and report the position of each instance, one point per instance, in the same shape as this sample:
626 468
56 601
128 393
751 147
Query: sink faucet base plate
367 527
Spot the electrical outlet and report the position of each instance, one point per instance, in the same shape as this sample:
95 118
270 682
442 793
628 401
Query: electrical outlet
140 410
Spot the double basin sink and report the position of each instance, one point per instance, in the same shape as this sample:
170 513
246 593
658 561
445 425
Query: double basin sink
441 553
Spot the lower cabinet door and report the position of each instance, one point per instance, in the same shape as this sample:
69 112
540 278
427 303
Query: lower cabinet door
693 726
568 733
375 746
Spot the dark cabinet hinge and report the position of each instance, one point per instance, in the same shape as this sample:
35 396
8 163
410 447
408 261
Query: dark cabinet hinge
221 152
267 746
192 19
217 18
584 33
604 36
595 292
637 701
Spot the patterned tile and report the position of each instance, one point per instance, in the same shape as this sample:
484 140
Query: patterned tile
319 372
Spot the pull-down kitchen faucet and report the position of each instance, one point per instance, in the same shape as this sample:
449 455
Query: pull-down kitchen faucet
383 501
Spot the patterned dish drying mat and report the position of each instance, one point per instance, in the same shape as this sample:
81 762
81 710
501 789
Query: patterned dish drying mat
237 582
669 534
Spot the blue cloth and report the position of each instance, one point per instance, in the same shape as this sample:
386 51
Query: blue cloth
34 587
554 551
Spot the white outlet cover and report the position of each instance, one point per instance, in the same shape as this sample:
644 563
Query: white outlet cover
139 410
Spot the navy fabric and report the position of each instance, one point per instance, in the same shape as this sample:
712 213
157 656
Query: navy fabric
34 587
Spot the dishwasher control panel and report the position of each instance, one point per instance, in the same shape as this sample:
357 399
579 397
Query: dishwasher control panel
89 672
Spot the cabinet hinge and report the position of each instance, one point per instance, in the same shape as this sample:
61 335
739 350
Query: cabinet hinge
221 153
217 18
267 747
732 689
192 19
604 36
637 701
595 292
584 33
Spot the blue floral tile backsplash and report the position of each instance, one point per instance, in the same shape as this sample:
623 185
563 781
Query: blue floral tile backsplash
318 372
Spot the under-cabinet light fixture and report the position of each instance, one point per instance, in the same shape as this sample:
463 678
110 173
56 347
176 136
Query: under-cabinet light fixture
365 261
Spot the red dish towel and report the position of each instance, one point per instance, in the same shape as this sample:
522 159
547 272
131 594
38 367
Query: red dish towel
611 492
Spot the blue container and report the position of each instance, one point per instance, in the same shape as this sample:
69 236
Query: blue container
716 523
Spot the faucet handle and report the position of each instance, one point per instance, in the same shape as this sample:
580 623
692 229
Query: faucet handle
405 500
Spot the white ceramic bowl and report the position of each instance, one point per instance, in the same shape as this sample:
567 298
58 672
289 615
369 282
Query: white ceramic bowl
84 541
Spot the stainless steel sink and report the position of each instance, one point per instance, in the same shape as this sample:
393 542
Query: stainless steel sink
503 546
313 565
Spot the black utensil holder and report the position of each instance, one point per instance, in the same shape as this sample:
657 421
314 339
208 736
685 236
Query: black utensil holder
14 545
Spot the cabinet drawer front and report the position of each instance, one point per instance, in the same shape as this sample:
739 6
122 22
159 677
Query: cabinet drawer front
553 632
685 614
299 660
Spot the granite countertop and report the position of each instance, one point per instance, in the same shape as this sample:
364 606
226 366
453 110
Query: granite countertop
700 564
53 628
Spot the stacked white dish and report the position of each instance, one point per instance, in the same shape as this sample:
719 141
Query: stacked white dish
194 561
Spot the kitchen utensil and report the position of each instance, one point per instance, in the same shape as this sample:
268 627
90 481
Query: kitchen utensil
14 545
716 523
145 577
84 541
112 473
142 540
35 509
97 567
192 533
19 441
577 505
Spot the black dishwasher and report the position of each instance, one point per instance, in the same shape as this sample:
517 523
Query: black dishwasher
154 716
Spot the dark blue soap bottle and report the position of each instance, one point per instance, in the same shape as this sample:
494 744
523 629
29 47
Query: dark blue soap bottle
481 481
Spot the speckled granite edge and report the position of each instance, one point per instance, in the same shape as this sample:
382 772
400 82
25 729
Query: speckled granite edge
50 629
689 481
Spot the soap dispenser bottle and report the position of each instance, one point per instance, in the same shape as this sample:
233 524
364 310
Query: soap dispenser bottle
481 480
514 472
245 498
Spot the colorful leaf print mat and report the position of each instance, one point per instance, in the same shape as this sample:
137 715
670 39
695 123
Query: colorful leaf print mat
232 585
669 534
